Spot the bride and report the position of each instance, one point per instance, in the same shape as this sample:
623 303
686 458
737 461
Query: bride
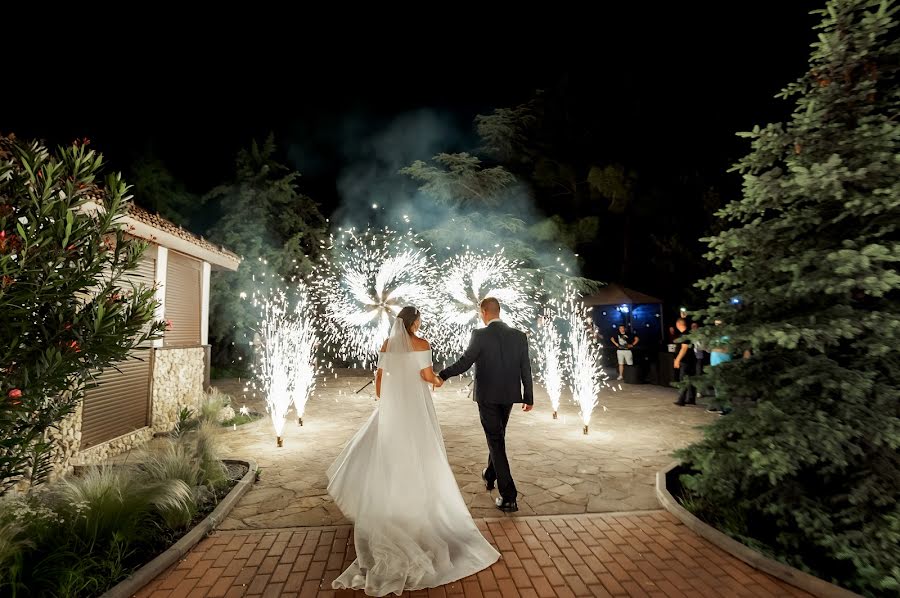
412 529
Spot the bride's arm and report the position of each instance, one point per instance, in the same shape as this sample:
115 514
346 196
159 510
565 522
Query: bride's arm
378 375
427 374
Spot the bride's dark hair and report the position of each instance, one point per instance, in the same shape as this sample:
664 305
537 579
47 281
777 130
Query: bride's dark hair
409 315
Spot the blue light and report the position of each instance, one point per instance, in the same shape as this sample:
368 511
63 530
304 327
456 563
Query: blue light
735 300
624 309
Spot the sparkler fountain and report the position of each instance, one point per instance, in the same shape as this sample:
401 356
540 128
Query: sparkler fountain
585 374
286 370
370 277
304 379
549 357
469 277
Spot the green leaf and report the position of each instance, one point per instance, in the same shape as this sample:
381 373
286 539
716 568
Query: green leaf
70 220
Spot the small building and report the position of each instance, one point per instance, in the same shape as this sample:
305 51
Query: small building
144 395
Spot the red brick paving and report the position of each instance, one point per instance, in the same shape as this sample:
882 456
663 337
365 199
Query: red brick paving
649 554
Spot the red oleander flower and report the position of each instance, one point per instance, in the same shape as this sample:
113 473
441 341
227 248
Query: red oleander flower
168 324
9 243
14 393
74 346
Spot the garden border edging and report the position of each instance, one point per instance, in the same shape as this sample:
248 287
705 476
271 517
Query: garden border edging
797 578
140 578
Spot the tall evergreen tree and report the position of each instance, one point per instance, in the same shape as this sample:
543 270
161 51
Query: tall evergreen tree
263 217
809 469
157 189
488 208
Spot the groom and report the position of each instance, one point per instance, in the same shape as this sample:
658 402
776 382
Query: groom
502 369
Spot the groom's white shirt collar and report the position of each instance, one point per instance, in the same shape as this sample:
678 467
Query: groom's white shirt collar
492 321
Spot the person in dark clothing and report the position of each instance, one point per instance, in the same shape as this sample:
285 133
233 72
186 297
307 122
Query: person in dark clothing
502 378
699 352
685 363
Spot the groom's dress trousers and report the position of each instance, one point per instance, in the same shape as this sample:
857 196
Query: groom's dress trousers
502 378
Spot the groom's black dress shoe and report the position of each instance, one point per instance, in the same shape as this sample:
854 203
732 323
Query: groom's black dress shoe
507 506
488 484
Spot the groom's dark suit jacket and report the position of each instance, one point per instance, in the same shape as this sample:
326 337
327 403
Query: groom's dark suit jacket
502 366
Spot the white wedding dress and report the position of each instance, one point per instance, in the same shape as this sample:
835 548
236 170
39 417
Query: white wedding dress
412 529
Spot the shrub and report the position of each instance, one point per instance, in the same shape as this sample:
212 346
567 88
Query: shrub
68 310
809 470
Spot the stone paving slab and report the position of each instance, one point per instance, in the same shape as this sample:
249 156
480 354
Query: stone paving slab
647 553
558 470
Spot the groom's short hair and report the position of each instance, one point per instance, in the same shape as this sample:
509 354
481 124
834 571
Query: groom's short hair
490 305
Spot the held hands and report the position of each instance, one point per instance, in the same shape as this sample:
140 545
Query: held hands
437 381
526 407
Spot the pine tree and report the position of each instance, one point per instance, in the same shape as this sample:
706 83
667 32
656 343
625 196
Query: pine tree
473 202
67 308
263 217
157 189
807 467
487 208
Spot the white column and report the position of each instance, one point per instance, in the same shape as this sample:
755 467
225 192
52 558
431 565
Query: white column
162 266
204 304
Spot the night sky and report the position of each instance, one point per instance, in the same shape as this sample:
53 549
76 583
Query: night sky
670 87
682 80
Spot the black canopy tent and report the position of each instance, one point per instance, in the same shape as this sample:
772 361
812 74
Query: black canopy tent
616 304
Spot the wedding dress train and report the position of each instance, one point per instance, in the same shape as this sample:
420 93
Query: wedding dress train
412 527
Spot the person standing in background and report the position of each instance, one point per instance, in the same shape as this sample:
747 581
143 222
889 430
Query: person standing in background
684 363
624 342
699 352
720 353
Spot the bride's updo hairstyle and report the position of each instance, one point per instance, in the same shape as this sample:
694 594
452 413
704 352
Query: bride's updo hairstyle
409 315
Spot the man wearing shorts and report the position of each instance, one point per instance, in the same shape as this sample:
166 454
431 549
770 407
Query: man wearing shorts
624 342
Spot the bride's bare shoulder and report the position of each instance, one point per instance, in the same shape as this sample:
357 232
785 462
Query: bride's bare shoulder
420 344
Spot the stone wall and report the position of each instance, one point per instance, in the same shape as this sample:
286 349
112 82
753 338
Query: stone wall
66 440
111 448
178 376
177 382
66 453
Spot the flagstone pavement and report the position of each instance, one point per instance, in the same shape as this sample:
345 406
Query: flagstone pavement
558 470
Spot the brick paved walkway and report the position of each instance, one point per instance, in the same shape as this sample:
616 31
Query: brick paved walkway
615 554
